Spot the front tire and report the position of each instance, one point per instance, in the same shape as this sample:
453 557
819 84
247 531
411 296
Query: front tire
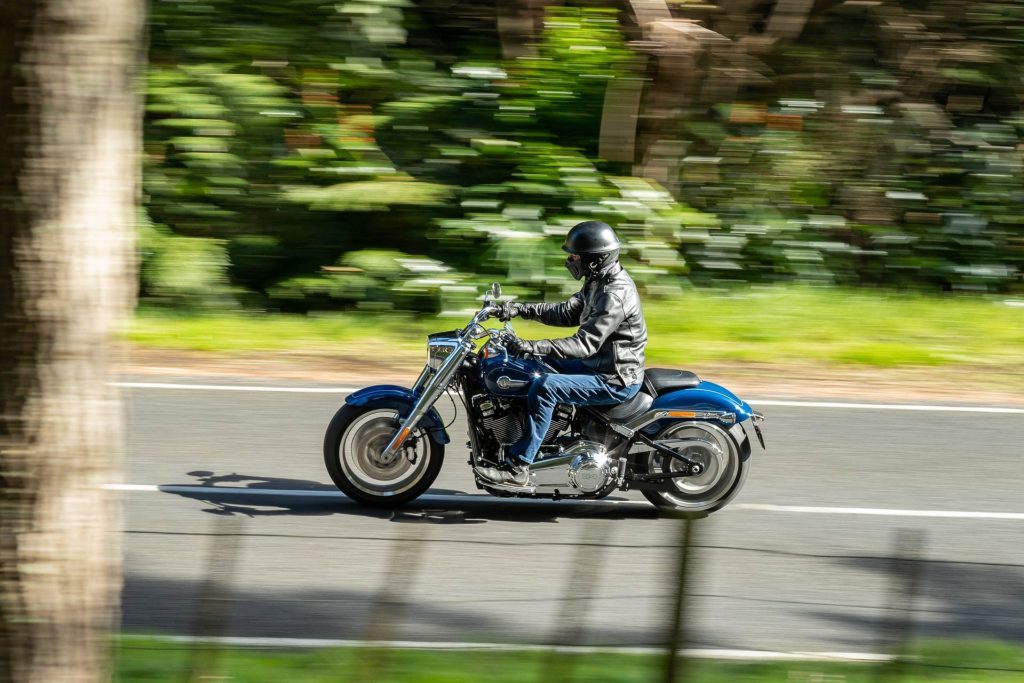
725 469
352 447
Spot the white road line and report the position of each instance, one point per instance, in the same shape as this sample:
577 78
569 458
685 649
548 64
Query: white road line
757 402
231 490
701 653
325 493
882 512
234 387
478 498
887 406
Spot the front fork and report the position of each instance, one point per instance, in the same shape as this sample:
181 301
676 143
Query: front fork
429 385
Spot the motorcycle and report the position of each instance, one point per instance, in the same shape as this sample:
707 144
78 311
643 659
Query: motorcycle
684 443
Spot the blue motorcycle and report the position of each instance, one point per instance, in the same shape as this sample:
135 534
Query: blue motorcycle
683 442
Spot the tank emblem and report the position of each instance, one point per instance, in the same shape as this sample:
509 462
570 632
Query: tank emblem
506 382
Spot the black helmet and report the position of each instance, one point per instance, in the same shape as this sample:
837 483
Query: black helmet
591 237
596 245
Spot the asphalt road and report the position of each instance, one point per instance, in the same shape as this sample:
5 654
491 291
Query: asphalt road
312 565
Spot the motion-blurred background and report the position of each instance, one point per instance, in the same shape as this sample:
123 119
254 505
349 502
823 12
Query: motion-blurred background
391 154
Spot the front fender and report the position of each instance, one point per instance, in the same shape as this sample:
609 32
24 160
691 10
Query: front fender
402 399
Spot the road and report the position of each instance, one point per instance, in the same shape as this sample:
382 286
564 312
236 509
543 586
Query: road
799 577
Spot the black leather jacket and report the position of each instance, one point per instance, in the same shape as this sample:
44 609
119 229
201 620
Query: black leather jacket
612 333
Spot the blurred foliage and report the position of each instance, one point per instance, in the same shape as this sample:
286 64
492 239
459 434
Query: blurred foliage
186 271
304 155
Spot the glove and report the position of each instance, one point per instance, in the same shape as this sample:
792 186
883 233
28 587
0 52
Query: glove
509 310
521 347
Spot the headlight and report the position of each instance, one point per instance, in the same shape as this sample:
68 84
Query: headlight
438 350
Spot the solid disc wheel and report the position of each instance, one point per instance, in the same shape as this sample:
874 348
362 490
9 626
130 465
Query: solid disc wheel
722 475
353 448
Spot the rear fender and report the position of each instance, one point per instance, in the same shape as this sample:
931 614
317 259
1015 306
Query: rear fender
707 397
402 400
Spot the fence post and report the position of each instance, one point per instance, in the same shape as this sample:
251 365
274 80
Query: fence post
213 610
897 626
403 564
577 596
675 664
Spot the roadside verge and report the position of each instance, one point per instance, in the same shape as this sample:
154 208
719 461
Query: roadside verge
767 380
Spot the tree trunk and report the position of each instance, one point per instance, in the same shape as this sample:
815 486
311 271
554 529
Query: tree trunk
69 126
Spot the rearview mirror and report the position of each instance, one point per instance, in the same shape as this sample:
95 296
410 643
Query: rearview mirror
493 293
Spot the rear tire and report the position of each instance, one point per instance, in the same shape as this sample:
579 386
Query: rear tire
723 476
352 445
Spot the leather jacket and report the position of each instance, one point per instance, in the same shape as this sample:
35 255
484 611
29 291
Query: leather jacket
612 333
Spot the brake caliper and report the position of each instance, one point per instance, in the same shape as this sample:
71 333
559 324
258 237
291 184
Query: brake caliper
410 449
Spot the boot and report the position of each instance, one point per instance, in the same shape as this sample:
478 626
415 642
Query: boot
510 473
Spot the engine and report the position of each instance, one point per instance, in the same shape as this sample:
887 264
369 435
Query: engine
583 467
504 419
580 467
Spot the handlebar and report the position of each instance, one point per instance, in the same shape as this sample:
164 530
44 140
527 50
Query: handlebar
487 311
501 337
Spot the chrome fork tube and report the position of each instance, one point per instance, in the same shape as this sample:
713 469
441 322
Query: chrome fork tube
432 390
421 380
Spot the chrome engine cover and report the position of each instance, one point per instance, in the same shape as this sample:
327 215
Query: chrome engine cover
589 472
583 467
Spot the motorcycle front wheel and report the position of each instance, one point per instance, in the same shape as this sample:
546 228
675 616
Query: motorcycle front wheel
353 445
725 469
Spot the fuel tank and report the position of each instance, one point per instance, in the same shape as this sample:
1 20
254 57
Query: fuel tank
508 376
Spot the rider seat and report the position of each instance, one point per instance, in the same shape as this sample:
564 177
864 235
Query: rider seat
656 381
659 381
624 412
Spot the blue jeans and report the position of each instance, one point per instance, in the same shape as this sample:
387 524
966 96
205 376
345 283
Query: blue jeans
579 386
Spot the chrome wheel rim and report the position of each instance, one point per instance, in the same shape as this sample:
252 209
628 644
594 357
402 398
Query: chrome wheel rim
360 449
713 449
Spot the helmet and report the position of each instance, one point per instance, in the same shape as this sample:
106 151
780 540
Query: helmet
591 237
596 245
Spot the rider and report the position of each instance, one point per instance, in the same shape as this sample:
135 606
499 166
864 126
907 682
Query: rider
601 364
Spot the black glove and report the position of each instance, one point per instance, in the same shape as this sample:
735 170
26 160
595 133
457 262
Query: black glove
521 347
508 310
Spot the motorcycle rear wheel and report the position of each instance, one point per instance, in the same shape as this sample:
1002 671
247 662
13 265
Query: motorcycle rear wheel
352 447
725 469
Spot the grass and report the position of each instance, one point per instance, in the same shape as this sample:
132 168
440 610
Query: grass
142 659
838 327
773 325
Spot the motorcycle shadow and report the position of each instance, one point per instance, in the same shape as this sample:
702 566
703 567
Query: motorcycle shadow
259 496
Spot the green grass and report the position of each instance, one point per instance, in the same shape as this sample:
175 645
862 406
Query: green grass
775 325
142 659
837 327
239 332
